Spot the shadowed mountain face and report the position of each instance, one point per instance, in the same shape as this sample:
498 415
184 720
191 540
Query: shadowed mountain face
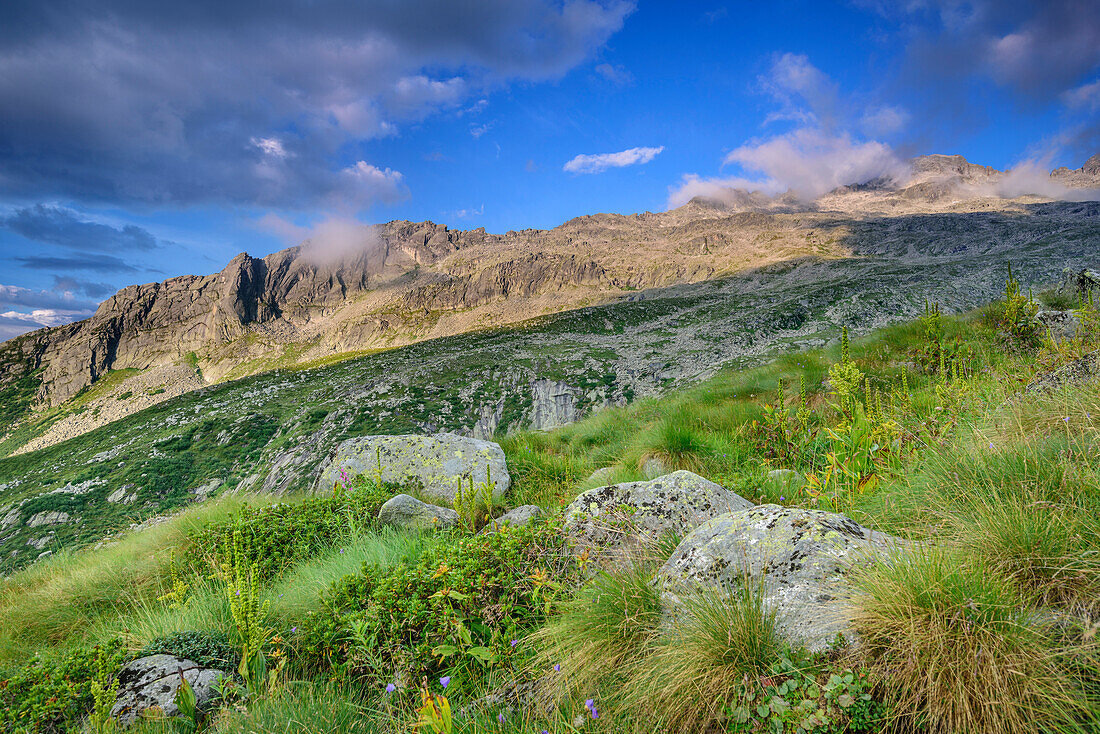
404 282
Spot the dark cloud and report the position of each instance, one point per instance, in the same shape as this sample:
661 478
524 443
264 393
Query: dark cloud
88 288
13 296
96 264
125 101
56 226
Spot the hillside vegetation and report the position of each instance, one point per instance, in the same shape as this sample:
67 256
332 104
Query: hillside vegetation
987 623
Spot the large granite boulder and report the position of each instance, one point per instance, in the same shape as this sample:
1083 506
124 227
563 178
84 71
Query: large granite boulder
410 513
802 559
152 683
435 463
615 521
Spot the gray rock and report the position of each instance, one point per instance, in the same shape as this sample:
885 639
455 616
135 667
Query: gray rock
1080 283
518 517
408 512
48 517
553 404
617 520
204 491
152 683
126 494
801 557
435 462
1085 369
40 543
1061 325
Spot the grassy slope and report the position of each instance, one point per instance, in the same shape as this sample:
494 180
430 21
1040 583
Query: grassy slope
605 355
971 471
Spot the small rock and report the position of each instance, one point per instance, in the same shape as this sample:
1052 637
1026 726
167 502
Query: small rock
619 519
518 517
48 517
1061 325
152 683
802 558
204 491
1085 369
403 511
126 494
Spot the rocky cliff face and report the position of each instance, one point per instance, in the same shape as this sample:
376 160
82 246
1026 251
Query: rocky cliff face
404 282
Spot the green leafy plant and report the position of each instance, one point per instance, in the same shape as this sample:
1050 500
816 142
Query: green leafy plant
104 687
208 649
474 502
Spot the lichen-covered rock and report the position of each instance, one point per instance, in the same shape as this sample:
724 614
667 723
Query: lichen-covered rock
152 683
410 513
1060 325
518 517
801 557
435 462
1082 370
616 520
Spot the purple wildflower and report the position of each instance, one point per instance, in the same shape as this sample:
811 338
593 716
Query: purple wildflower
515 642
591 706
391 688
500 717
557 667
293 629
445 681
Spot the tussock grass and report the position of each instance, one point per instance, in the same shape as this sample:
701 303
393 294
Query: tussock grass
962 650
597 634
696 669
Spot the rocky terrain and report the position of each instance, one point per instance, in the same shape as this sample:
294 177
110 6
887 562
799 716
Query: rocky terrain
404 282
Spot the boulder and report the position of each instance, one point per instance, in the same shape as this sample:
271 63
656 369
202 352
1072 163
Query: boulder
518 517
800 557
619 519
435 463
152 683
1060 325
410 513
1085 369
48 517
1079 283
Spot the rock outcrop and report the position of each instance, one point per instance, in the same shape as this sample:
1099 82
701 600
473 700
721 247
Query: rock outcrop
516 517
617 521
435 464
152 683
801 558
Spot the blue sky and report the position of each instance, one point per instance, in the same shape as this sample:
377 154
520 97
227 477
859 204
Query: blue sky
140 142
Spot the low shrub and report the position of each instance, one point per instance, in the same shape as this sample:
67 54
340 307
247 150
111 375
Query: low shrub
208 649
277 536
48 696
456 609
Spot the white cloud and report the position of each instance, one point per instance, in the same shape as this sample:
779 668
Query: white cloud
463 213
691 185
596 163
478 130
884 121
270 146
615 74
369 183
1085 97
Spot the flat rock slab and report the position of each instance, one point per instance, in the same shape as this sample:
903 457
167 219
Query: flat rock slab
802 559
404 511
435 463
152 683
617 520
